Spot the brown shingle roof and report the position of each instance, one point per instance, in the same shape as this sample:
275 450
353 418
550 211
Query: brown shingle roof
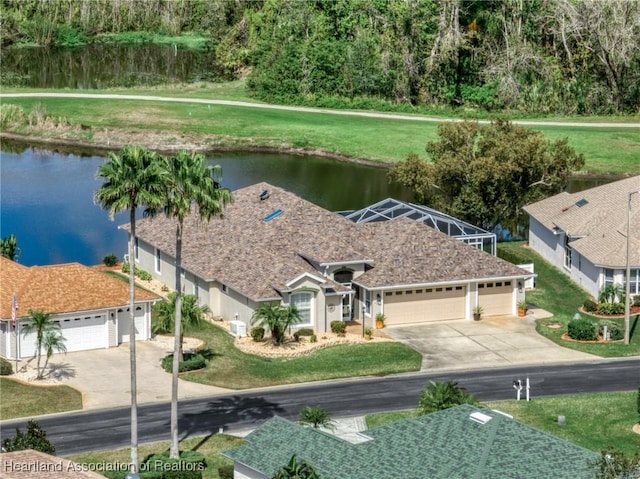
600 224
61 288
32 464
258 257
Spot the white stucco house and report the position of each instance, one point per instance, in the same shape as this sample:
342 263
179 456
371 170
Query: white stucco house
273 246
91 307
584 234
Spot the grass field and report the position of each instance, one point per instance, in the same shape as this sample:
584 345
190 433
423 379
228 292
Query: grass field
231 368
608 151
22 400
593 421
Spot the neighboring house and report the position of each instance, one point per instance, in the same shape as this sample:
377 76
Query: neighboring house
458 443
584 234
30 464
273 246
91 307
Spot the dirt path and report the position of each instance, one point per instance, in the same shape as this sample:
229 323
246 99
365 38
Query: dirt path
391 116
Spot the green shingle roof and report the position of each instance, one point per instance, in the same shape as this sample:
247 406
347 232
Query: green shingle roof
444 445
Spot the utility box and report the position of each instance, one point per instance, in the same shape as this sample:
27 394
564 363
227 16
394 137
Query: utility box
238 329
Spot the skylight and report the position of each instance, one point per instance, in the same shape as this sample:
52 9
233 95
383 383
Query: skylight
581 203
273 214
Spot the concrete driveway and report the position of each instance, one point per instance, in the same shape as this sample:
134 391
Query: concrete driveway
491 342
102 375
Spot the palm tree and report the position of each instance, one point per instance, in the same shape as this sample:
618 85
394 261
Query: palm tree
316 416
189 182
165 315
53 341
296 470
132 179
9 247
45 329
440 395
276 318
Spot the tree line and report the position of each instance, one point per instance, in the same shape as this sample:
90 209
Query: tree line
538 56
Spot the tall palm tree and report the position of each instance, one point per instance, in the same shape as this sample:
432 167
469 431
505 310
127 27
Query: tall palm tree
165 315
190 182
134 178
9 247
43 325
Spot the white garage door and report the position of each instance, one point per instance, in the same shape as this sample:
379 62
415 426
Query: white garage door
124 321
496 298
424 305
80 333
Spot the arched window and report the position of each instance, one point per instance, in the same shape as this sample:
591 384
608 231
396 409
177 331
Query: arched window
303 301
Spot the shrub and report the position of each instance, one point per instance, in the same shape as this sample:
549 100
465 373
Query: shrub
635 300
257 333
338 327
125 267
191 362
110 260
615 332
439 395
296 336
225 472
5 367
189 466
611 308
582 330
35 438
313 338
590 306
305 332
143 275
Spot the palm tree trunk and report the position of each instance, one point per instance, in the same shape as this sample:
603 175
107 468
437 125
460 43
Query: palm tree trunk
132 345
175 453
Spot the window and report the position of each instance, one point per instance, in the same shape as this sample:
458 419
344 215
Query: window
158 261
608 277
196 287
634 284
567 253
136 248
367 302
303 302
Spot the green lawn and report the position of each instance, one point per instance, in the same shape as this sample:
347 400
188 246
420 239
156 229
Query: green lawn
593 421
211 446
377 139
21 400
556 293
231 368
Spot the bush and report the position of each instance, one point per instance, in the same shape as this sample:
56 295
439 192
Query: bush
110 260
305 332
582 330
615 331
611 308
225 472
35 438
143 275
338 327
189 466
5 367
191 362
313 338
257 333
296 336
590 306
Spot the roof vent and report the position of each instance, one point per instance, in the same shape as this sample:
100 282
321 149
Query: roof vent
480 418
264 195
273 214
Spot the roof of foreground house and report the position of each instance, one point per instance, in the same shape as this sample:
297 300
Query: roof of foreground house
447 444
596 219
61 288
30 464
260 245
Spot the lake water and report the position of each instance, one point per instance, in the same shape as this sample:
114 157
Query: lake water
46 198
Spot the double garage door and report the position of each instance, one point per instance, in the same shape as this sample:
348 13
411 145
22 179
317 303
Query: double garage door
81 333
425 305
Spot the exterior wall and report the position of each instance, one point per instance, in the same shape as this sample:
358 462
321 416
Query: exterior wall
240 471
587 275
146 261
546 244
5 327
111 328
231 305
333 312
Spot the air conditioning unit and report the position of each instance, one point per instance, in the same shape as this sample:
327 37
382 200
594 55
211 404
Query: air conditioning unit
238 329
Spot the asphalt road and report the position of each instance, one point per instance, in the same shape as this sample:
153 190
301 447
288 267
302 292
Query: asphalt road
109 429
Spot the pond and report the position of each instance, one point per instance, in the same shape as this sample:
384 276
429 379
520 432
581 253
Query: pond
119 66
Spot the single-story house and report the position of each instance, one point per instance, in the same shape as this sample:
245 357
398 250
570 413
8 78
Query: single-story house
273 246
457 443
30 464
91 307
584 234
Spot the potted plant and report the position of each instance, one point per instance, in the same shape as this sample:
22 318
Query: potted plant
380 318
477 313
522 308
368 332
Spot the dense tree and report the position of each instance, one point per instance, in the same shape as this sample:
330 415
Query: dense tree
35 438
485 174
48 336
165 316
190 187
132 179
296 470
440 395
9 247
276 318
316 417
